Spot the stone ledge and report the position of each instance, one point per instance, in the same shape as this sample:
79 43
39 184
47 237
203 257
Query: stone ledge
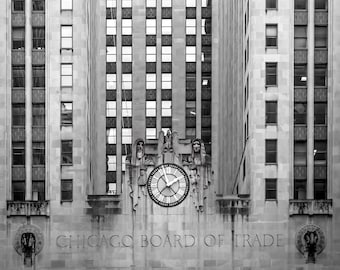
311 207
28 208
234 205
104 204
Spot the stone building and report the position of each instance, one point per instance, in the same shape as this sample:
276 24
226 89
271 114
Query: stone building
169 134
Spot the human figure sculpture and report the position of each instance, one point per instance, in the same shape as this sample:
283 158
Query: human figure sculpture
311 239
28 247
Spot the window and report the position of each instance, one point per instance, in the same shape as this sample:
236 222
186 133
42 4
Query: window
166 81
300 36
166 108
66 75
126 54
18 114
271 189
206 27
66 4
190 26
151 81
38 38
271 74
166 3
320 189
320 113
126 108
18 189
66 37
300 113
151 27
111 163
18 5
66 152
300 4
271 35
38 114
18 76
271 4
151 3
271 151
300 75
126 27
111 28
190 54
320 37
111 54
18 38
166 27
151 133
300 153
191 3
320 152
271 112
320 75
111 110
151 54
166 53
66 187
206 3
111 81
150 108
321 4
126 81
111 136
18 153
38 149
126 3
126 135
66 113
110 3
190 108
300 189
38 76
38 5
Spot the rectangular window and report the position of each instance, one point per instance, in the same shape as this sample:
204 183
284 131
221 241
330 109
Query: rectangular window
66 187
18 153
126 27
190 109
166 81
320 36
300 36
271 151
18 76
151 54
150 3
300 75
18 189
111 109
166 3
300 4
111 27
190 54
18 5
38 149
66 152
151 81
151 27
18 38
271 35
300 113
166 27
271 4
66 75
18 114
66 117
166 108
150 108
271 189
321 4
38 114
66 4
38 73
271 112
111 81
111 163
38 38
126 54
320 113
111 54
126 81
320 75
320 189
300 153
126 135
166 53
191 3
190 26
111 136
151 133
127 108
38 5
300 189
66 37
271 74
126 3
320 152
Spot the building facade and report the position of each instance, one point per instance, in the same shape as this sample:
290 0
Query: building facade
169 134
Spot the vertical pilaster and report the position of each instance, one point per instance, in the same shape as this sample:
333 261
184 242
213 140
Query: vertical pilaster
28 98
198 69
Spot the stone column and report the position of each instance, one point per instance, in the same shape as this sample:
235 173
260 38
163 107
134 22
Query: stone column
28 98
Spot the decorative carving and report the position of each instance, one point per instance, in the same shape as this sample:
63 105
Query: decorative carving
168 147
310 207
38 208
234 206
310 241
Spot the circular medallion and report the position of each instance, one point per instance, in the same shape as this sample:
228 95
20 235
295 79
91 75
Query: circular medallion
168 185
27 236
307 234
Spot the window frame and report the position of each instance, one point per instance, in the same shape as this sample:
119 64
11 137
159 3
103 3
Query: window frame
270 68
66 112
270 187
64 189
66 75
270 154
66 155
271 38
68 38
62 3
268 2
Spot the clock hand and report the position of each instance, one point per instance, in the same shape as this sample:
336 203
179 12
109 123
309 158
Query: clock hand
174 181
166 177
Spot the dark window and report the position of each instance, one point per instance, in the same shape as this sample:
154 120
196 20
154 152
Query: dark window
19 5
38 114
66 113
271 151
300 189
271 4
38 149
300 75
271 112
320 189
320 75
111 13
38 189
320 113
38 5
18 38
66 190
18 189
271 35
206 108
18 153
39 76
18 114
66 152
18 76
321 4
320 152
271 189
320 37
38 38
300 4
300 37
271 74
300 113
300 153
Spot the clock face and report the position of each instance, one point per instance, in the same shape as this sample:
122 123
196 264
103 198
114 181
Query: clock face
168 185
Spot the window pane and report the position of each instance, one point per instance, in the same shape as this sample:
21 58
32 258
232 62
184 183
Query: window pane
300 153
191 3
320 189
66 113
111 110
110 3
271 71
300 113
321 4
300 189
320 75
271 187
66 4
111 136
320 36
271 112
320 113
66 152
18 153
271 4
151 3
38 150
18 189
300 4
151 133
166 3
18 114
271 151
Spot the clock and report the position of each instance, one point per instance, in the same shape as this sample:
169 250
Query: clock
168 185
